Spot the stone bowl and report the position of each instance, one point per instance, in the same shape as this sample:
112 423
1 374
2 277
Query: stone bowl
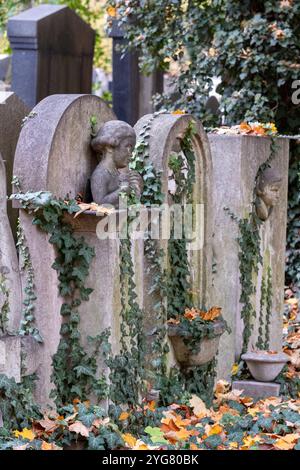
265 367
208 346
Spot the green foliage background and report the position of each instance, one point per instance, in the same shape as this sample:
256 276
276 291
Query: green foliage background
252 45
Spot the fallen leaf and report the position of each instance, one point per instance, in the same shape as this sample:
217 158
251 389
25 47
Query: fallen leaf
25 434
129 439
199 407
79 428
123 416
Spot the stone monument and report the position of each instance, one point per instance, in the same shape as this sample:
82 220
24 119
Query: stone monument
52 53
240 186
12 113
57 140
165 134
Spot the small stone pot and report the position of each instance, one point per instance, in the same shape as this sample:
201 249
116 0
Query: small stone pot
265 367
208 346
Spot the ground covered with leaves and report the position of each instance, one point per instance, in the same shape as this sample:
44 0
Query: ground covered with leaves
234 422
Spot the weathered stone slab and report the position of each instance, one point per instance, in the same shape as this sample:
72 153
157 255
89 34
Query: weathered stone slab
10 282
257 390
12 112
132 92
236 161
62 152
10 356
165 134
52 53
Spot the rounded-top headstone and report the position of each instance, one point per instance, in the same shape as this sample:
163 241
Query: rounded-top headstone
165 134
53 151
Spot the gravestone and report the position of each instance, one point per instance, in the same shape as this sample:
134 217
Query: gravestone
10 283
132 92
52 53
12 112
57 141
236 161
166 132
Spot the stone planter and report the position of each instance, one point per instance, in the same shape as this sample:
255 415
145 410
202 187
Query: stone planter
208 346
265 367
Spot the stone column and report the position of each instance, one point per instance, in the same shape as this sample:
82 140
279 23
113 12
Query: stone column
236 161
52 53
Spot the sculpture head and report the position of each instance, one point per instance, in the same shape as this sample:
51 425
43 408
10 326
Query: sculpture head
115 140
268 187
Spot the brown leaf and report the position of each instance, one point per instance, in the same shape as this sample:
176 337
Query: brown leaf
79 428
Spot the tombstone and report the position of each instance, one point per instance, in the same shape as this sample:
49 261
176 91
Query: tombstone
12 113
52 53
166 132
10 283
57 141
236 160
132 92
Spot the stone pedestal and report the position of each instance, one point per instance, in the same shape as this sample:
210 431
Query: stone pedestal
52 53
257 390
236 161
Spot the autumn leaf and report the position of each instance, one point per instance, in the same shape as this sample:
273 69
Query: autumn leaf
25 434
178 111
50 446
234 369
111 11
129 439
199 407
250 441
286 442
215 429
212 314
79 428
123 416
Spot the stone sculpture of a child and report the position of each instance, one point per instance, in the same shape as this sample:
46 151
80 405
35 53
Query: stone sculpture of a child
267 192
114 144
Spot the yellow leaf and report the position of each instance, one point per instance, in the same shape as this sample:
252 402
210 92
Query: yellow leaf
123 416
79 428
25 434
233 445
111 11
250 441
199 407
234 369
178 111
49 446
215 429
129 439
283 445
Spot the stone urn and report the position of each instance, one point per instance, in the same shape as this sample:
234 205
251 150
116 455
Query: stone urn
265 366
207 348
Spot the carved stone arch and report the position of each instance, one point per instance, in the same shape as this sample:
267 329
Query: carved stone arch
164 136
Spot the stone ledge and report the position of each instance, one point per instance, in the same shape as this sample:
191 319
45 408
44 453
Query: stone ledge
257 390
